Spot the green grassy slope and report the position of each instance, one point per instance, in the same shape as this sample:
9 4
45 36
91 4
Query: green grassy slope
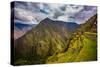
79 50
82 46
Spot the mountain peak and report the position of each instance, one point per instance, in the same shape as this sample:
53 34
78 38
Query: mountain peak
46 20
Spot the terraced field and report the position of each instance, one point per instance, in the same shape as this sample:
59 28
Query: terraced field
82 47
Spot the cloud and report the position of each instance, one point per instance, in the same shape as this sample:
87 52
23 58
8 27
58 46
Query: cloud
28 17
63 18
23 15
85 14
72 9
33 13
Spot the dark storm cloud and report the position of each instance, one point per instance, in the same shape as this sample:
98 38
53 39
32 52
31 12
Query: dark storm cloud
31 13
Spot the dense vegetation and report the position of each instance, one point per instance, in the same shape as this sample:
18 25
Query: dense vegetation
57 42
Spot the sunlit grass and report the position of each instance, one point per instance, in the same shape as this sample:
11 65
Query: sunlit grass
75 53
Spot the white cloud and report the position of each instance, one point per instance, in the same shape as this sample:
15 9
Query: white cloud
24 22
63 18
73 9
23 14
28 17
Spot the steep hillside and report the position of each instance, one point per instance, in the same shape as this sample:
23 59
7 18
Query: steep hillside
46 39
82 46
57 41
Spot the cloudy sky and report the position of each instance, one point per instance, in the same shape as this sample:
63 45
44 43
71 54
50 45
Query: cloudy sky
33 13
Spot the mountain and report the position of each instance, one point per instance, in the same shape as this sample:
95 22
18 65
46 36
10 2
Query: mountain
82 44
47 38
90 25
60 24
18 33
56 42
20 29
24 27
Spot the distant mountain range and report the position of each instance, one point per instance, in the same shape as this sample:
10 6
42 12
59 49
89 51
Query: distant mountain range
24 27
20 29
